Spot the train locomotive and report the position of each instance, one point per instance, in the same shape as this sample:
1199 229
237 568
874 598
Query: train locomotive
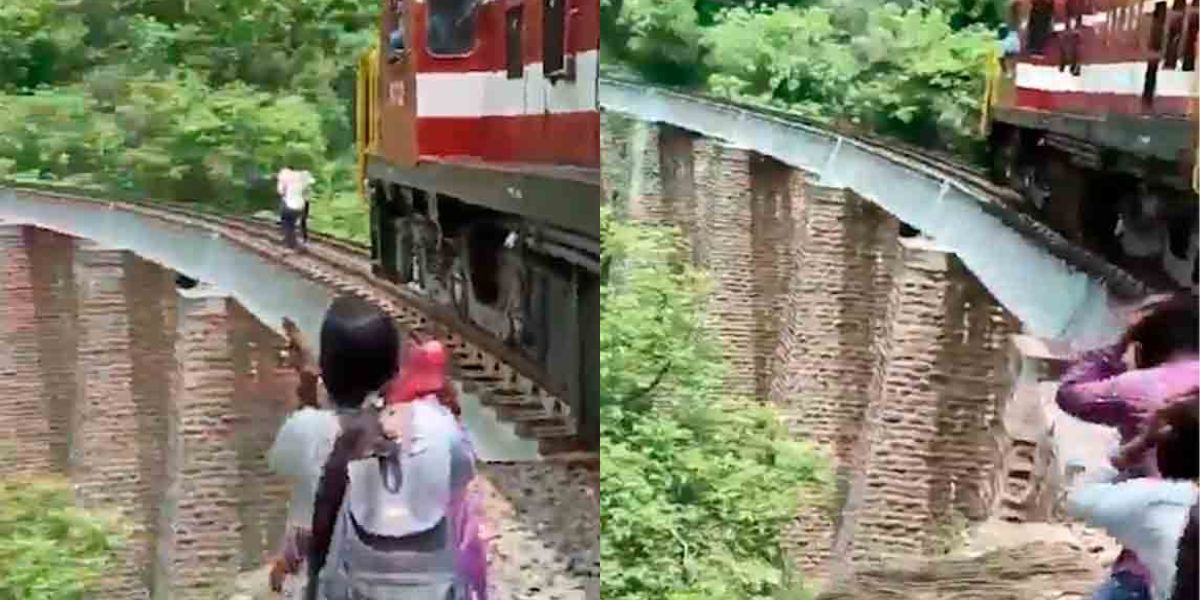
478 138
1091 115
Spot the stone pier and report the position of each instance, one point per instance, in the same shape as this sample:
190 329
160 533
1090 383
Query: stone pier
25 433
202 494
105 453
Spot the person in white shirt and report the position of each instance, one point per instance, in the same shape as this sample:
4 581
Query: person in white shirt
1148 515
291 185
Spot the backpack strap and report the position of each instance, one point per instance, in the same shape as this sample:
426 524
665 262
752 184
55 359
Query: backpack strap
360 434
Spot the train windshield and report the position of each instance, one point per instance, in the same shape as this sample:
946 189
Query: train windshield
451 27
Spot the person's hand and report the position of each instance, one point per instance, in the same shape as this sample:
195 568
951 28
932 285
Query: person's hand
278 572
1130 357
299 355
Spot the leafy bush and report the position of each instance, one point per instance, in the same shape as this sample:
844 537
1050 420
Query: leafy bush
39 44
900 72
664 37
173 138
912 70
696 487
48 547
186 100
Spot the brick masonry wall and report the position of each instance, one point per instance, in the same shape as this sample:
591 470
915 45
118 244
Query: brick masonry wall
102 382
890 494
724 191
204 466
835 305
150 310
56 302
261 397
887 354
24 430
105 453
930 444
776 195
615 135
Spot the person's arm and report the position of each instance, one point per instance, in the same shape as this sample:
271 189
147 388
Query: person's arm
1179 409
1085 389
1108 505
300 358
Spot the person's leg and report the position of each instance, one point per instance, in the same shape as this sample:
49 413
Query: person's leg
1123 586
304 223
289 228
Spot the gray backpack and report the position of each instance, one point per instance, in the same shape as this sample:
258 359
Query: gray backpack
395 537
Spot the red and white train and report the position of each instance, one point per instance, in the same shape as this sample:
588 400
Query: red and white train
479 148
1093 118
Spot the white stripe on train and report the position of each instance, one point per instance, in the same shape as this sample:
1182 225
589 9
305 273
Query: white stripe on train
1127 78
493 94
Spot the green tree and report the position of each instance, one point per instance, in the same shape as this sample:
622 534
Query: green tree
663 38
192 100
908 69
39 43
48 547
696 486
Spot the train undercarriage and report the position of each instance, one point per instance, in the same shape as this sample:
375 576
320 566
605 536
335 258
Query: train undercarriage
533 285
1138 212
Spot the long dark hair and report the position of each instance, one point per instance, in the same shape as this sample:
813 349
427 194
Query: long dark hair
1186 571
360 350
1169 327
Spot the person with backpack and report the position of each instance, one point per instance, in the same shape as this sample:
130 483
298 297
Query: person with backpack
387 522
1149 515
1120 385
359 355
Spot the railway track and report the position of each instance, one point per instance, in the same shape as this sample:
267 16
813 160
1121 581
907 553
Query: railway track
503 379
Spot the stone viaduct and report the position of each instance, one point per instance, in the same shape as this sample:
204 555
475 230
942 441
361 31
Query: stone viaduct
169 382
875 344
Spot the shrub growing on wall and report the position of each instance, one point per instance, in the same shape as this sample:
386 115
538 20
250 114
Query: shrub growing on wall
696 487
48 547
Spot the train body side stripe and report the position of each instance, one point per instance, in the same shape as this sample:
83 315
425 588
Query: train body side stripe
493 94
1126 79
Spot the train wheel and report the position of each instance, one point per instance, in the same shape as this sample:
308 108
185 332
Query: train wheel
1004 161
460 284
1033 186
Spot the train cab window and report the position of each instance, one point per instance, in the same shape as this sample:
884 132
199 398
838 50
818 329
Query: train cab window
554 29
514 27
450 30
1041 25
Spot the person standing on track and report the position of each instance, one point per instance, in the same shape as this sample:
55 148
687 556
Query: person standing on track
392 514
291 185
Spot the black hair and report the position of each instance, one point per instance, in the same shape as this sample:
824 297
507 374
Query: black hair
1172 326
1186 573
360 350
1176 451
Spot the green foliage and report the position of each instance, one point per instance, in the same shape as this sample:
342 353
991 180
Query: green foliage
39 43
171 138
912 70
697 487
186 100
664 37
48 547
